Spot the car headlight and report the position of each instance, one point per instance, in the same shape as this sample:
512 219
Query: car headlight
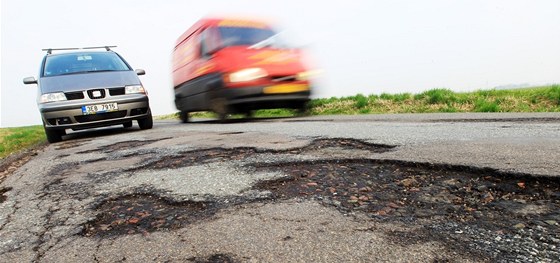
134 89
307 75
52 97
247 75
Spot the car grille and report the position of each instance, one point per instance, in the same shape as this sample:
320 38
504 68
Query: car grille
95 94
76 95
101 116
116 91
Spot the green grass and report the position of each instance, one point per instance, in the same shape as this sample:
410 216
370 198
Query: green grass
537 99
13 140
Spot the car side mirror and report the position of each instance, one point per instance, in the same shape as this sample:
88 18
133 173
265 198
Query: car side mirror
29 80
140 72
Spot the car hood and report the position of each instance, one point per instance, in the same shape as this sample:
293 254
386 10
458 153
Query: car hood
85 81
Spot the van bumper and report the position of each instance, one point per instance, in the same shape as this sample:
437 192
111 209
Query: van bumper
263 97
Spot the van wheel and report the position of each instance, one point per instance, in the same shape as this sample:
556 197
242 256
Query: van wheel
184 116
247 114
222 117
53 135
303 109
146 123
220 107
127 124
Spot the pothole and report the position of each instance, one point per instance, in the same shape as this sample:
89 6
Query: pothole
481 205
216 258
144 213
3 191
408 190
197 157
346 143
126 145
70 144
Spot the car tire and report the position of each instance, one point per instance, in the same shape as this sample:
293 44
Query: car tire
303 109
184 116
146 123
220 107
54 135
223 117
127 124
248 114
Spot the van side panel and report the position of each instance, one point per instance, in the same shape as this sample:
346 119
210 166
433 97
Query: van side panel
195 79
196 94
189 92
185 56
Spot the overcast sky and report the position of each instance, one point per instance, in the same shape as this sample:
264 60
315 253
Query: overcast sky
366 47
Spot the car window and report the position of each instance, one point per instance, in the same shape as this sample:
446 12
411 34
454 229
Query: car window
244 36
83 62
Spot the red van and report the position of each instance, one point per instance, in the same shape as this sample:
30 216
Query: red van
236 66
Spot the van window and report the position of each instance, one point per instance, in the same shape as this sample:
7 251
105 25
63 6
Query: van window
244 36
81 63
209 41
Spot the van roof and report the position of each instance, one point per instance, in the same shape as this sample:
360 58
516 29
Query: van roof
231 22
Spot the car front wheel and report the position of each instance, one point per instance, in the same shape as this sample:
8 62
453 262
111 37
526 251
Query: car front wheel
54 135
146 123
184 116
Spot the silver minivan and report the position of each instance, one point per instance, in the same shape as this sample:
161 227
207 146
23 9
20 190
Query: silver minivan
88 89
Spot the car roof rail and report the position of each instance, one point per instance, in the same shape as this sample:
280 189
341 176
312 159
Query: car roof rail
50 50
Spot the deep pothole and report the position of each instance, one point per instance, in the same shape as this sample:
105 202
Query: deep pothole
196 157
390 188
143 213
466 208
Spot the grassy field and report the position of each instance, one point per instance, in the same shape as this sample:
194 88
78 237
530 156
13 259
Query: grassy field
537 99
16 139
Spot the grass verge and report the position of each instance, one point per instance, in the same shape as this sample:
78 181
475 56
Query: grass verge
537 99
14 140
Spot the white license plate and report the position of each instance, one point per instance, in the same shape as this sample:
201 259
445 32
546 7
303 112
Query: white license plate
99 108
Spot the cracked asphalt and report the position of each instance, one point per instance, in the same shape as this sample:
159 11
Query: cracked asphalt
262 191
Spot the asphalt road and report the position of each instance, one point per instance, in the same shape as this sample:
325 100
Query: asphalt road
191 192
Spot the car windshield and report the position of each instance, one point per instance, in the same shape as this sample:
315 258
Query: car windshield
75 63
248 36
